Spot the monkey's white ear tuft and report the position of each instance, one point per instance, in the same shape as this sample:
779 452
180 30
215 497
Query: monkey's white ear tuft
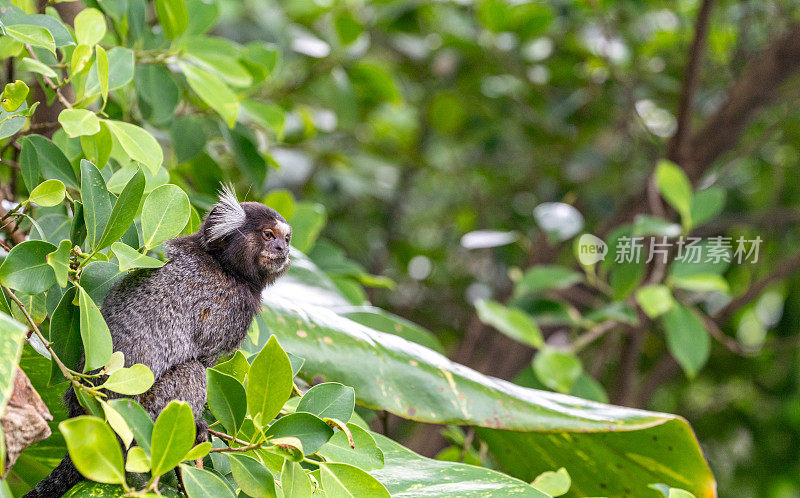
226 216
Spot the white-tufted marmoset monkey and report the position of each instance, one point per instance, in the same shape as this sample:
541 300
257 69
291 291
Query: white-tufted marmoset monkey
180 318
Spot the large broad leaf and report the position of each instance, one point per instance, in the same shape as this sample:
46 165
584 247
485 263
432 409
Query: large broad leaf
407 474
417 383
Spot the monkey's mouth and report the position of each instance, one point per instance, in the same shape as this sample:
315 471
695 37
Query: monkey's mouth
273 261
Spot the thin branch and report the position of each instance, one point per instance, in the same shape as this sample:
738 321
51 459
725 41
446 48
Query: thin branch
781 271
690 80
64 370
50 82
227 437
592 335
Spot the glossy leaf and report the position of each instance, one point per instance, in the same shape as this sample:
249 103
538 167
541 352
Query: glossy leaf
94 449
252 477
94 333
675 188
201 483
443 392
78 122
90 26
129 258
164 214
407 474
213 92
124 210
173 437
269 382
226 399
309 429
41 156
540 278
12 336
655 300
173 16
138 420
25 268
96 202
329 400
33 35
49 193
366 455
341 480
294 480
98 277
138 143
130 381
59 262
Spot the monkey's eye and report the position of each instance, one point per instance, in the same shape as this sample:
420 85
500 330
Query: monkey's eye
268 235
288 238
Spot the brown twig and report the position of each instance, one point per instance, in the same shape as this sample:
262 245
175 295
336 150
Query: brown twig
592 335
781 271
50 82
227 437
690 81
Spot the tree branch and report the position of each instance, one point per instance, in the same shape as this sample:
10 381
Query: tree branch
690 80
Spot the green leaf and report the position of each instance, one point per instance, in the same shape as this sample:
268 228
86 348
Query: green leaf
102 66
252 477
226 399
213 92
90 26
97 147
269 383
247 156
558 370
341 480
199 451
137 419
98 277
173 16
519 422
706 205
34 66
307 222
138 144
138 460
294 480
94 449
77 122
553 483
237 367
655 300
700 282
687 338
408 474
14 95
120 72
59 261
130 381
347 27
366 455
676 189
25 268
158 95
124 211
164 214
94 333
115 420
65 334
512 322
544 277
49 193
12 336
130 258
80 58
40 155
309 429
30 34
669 492
96 202
201 483
173 437
329 400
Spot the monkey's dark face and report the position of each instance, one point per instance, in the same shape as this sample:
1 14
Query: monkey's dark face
276 235
249 239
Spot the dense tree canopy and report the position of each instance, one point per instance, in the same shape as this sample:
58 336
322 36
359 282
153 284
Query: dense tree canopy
467 182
